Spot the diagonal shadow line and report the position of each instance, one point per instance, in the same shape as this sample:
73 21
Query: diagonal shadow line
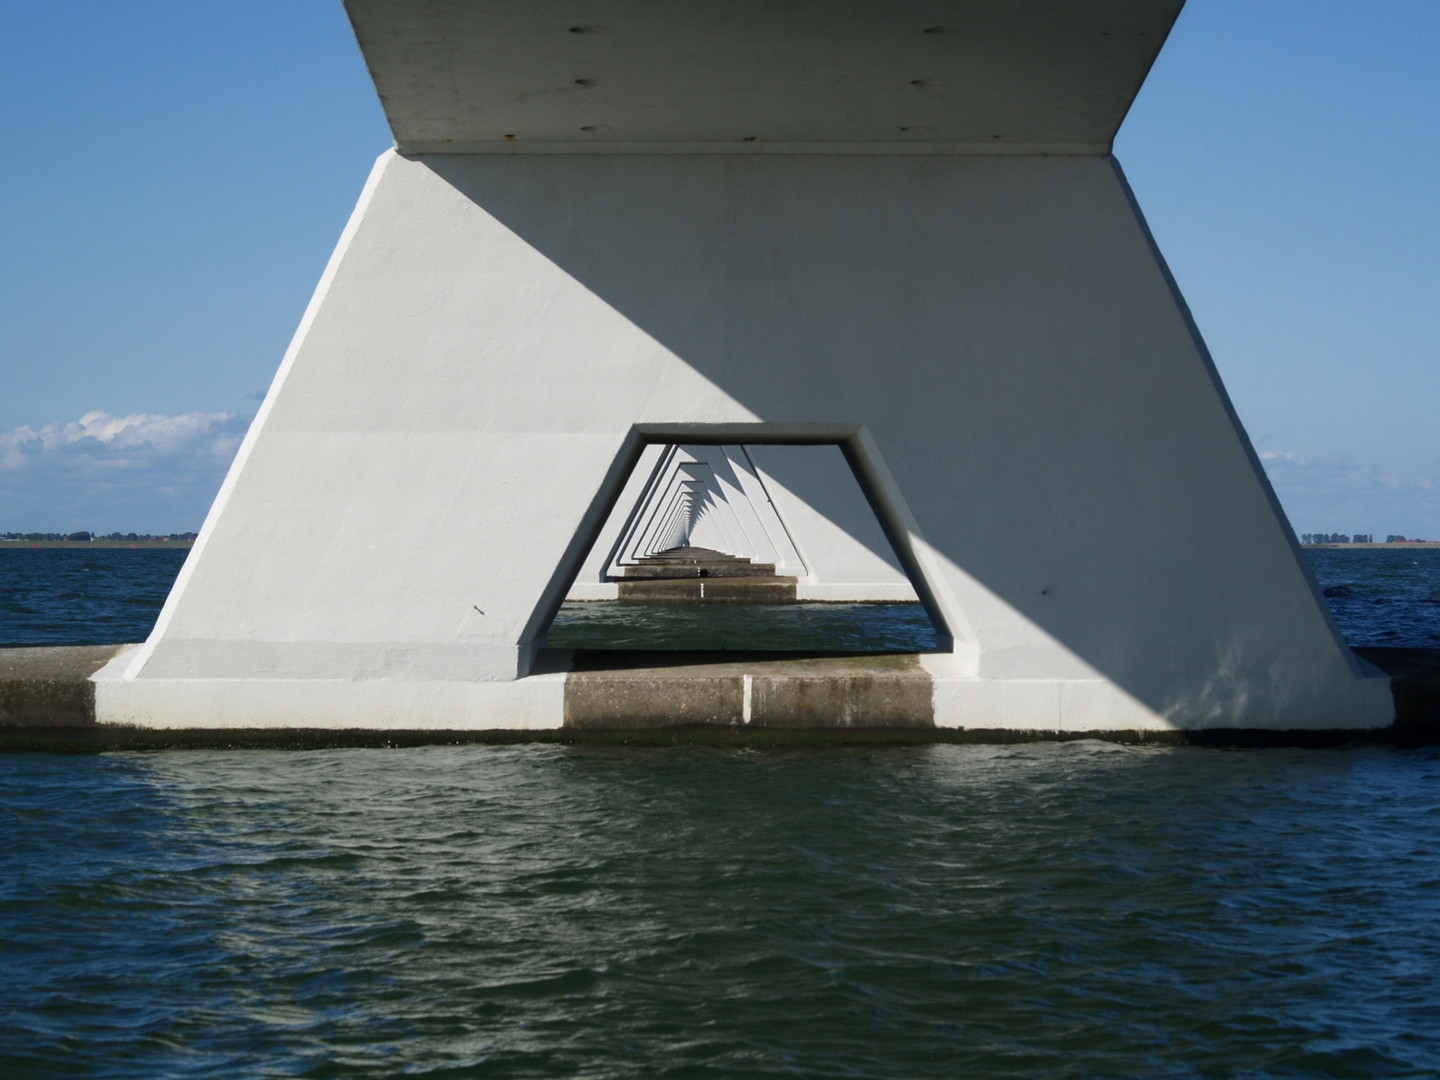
621 263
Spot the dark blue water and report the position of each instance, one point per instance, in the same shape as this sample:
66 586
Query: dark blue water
1073 910
69 596
1051 911
1382 596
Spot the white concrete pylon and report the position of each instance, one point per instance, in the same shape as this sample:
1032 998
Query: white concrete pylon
896 229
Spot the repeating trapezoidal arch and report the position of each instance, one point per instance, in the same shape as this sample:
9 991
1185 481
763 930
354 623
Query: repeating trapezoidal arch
669 510
705 496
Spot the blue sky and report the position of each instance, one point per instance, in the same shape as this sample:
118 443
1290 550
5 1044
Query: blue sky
178 172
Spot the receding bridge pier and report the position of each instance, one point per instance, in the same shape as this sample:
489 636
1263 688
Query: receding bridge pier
702 576
853 289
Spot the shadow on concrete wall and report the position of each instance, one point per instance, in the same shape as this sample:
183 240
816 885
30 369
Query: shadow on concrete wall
1022 354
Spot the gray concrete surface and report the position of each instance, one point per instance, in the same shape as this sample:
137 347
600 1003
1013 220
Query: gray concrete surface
47 690
50 687
883 691
739 590
701 576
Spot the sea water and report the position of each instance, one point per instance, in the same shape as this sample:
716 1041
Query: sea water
1061 910
1382 596
79 596
67 596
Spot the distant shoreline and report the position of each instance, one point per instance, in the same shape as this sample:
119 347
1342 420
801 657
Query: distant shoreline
26 545
1407 545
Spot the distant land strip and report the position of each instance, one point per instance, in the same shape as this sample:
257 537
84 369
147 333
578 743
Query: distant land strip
26 541
90 545
181 542
1391 544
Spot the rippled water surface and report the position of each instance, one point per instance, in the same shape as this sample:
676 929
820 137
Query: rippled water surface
1382 596
70 596
1077 910
79 597
853 628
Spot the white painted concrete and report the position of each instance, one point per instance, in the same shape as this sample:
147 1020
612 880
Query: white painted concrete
755 76
496 336
534 703
584 591
824 509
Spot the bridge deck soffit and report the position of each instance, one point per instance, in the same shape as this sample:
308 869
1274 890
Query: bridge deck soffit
888 76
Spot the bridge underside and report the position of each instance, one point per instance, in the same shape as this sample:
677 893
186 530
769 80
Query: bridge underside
755 76
888 231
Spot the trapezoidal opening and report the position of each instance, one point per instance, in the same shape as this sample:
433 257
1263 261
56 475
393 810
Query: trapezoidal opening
743 548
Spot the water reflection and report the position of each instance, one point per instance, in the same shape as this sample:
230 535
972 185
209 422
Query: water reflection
794 627
1067 910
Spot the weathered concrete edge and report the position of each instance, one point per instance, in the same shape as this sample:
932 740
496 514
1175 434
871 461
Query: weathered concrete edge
47 702
50 686
109 738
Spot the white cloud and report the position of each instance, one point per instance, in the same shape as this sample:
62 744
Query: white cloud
1346 494
103 472
159 473
100 440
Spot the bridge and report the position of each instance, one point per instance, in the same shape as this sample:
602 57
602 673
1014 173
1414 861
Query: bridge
894 233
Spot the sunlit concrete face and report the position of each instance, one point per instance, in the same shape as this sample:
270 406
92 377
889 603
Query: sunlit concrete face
889 75
992 337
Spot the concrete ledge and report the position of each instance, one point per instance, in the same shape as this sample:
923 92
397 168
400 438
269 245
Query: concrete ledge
536 702
49 699
98 738
50 687
805 592
737 590
831 692
697 569
900 592
1415 684
622 700
593 591
871 692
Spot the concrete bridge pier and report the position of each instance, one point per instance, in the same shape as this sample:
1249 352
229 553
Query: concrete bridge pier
896 230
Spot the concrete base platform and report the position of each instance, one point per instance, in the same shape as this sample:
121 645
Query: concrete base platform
49 700
696 563
50 687
653 690
737 590
703 576
806 592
